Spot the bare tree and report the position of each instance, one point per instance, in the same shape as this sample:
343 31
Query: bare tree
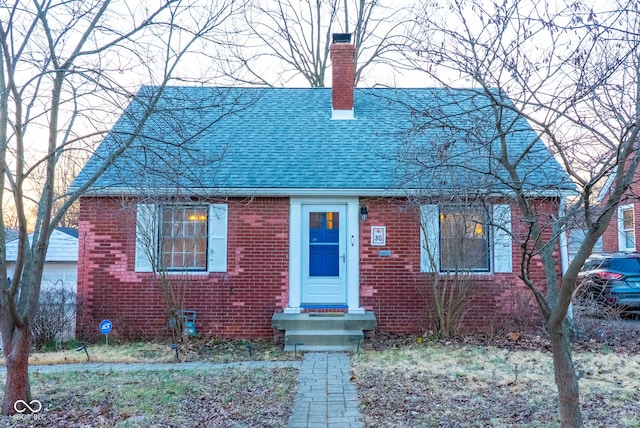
67 169
572 73
67 69
297 35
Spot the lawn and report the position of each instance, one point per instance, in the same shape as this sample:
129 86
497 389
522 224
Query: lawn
211 350
402 382
227 398
459 385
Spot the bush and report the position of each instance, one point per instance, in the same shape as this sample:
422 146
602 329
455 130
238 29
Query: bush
55 319
586 303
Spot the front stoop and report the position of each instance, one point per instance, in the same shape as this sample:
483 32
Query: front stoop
323 331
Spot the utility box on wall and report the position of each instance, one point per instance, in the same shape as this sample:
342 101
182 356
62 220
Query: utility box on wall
189 321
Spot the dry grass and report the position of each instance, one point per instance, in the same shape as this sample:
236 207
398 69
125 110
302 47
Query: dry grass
459 385
123 353
467 383
213 350
228 398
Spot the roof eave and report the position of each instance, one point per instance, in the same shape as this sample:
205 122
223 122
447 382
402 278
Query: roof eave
286 192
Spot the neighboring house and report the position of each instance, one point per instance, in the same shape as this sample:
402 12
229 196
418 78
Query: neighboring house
10 234
59 275
291 205
623 232
61 261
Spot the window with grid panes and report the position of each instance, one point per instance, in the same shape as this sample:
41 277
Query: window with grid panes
464 239
184 237
626 228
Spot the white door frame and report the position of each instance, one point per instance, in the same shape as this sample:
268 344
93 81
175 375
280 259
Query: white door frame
352 251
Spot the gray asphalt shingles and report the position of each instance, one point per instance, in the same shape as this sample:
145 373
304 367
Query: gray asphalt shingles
280 138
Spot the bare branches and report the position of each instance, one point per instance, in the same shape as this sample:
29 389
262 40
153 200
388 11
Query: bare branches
566 71
69 68
571 72
298 35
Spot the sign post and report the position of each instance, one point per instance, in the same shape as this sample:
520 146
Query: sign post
105 328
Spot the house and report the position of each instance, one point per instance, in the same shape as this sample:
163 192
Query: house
295 210
10 234
623 231
61 260
58 287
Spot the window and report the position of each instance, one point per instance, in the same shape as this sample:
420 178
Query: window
465 238
181 237
626 228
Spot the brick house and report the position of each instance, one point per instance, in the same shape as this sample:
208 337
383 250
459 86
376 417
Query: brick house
291 205
623 231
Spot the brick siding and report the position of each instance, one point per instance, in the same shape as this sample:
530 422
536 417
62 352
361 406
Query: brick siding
343 72
237 303
240 302
400 295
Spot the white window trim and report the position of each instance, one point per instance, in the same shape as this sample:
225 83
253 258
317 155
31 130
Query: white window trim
147 237
621 236
500 239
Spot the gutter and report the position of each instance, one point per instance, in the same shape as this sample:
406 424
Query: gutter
286 191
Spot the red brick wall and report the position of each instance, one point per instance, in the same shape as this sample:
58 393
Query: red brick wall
238 303
400 295
241 302
610 236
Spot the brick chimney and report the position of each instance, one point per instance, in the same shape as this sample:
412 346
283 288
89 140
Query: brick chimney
343 76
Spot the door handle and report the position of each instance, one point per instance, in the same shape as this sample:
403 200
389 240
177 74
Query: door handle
344 258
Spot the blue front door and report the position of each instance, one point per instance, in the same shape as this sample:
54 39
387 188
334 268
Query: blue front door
324 256
324 243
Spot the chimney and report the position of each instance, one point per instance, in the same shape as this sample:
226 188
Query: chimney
343 76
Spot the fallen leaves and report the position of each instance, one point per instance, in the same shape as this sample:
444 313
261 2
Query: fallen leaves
498 381
513 336
228 398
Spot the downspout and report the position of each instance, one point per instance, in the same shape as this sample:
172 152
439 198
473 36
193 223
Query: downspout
564 252
564 241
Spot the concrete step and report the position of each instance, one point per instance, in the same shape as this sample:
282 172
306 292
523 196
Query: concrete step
323 340
324 321
319 348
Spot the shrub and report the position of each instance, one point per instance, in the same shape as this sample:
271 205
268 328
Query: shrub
55 319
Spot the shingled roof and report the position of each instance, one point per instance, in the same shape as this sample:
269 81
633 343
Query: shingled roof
279 141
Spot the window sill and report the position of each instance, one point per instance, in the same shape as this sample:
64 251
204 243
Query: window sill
476 276
185 275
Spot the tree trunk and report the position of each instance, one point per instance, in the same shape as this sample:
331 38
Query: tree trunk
17 361
565 376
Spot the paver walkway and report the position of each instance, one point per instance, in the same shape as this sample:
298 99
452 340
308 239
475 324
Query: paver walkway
326 397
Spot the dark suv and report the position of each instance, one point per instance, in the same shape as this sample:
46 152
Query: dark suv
612 279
